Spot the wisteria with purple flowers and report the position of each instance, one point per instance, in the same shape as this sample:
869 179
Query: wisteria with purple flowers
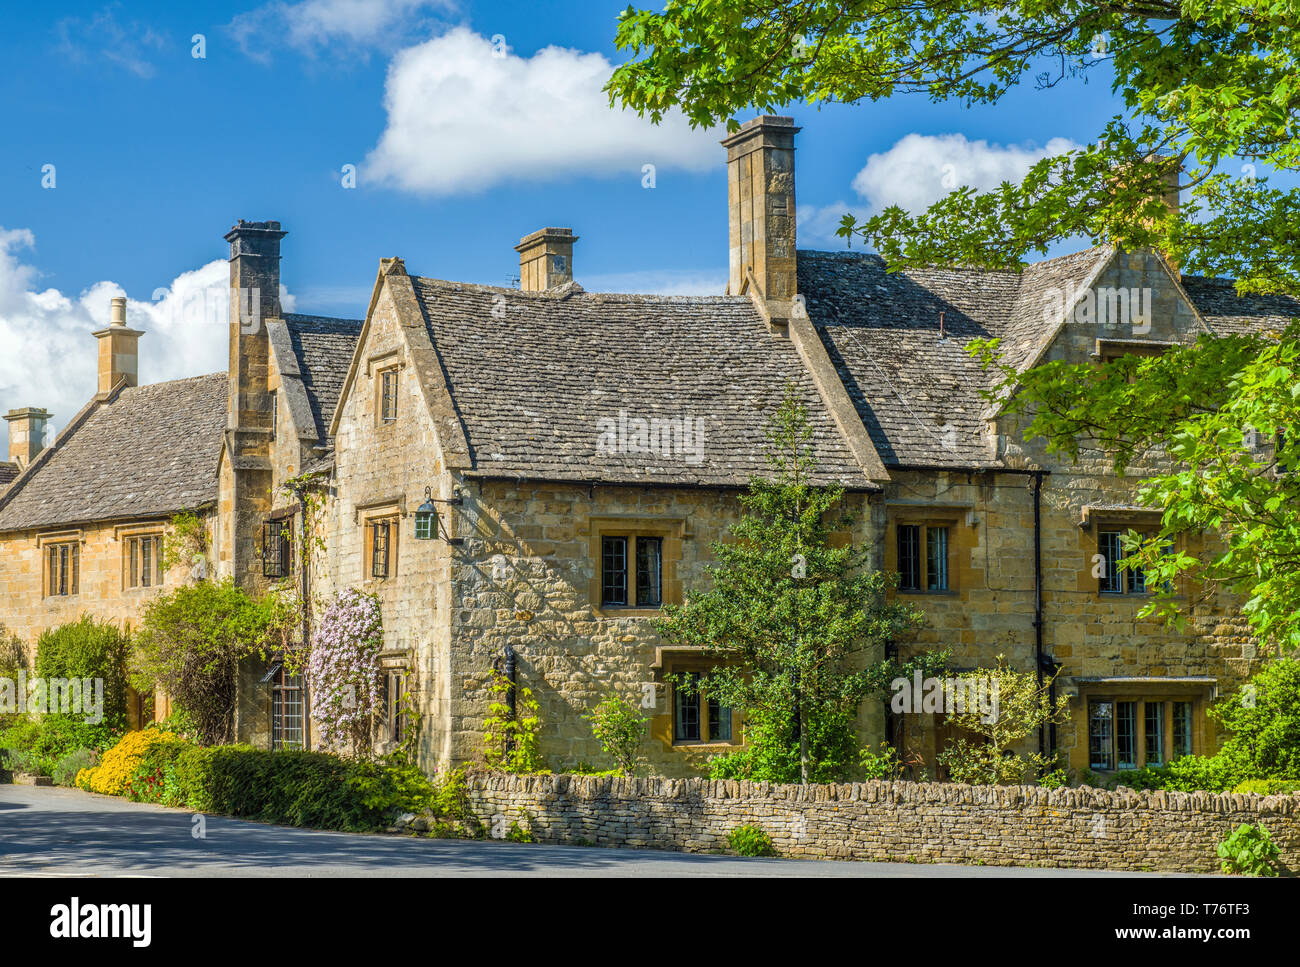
343 668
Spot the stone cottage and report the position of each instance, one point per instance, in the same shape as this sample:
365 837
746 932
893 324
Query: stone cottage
582 451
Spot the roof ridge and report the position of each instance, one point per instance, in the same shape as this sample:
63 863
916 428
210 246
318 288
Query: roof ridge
564 291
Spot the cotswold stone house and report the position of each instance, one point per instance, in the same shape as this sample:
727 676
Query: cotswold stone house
581 452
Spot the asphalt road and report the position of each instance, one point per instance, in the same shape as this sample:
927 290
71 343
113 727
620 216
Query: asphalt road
53 831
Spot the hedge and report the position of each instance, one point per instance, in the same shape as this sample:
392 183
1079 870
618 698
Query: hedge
313 789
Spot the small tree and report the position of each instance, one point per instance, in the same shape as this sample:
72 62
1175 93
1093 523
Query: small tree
1021 706
791 614
343 669
620 726
190 643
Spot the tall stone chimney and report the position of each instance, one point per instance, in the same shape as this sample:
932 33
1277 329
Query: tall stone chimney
26 434
254 301
119 353
1172 170
760 206
546 259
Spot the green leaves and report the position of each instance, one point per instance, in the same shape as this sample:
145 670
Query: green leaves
1224 411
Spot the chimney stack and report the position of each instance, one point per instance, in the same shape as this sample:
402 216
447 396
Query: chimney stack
546 259
760 205
254 302
1172 171
26 434
119 353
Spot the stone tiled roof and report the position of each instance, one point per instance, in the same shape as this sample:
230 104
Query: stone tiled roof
533 374
150 451
919 392
916 390
1231 314
323 347
8 472
1028 327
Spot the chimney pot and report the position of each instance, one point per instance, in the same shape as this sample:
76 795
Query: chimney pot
119 351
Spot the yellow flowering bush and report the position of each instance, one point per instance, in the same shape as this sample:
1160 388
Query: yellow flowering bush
119 763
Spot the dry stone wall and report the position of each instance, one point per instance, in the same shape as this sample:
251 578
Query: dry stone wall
892 821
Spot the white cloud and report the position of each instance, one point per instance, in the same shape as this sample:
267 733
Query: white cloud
103 39
920 169
818 223
464 114
312 25
50 356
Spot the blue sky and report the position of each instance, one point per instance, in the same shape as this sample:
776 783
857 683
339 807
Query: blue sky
459 153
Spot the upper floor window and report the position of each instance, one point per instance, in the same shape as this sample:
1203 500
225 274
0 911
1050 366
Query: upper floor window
922 557
277 547
144 562
380 547
62 569
1114 579
388 396
631 571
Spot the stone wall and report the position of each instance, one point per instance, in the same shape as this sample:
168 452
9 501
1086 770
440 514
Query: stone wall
892 821
25 608
528 577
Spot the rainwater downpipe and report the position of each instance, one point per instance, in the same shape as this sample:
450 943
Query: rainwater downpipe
511 670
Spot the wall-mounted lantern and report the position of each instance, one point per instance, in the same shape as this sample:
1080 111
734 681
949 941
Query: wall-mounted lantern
428 525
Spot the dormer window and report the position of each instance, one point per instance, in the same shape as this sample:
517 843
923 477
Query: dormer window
1109 350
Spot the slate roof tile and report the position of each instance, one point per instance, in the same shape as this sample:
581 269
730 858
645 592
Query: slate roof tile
919 392
150 452
1230 314
532 380
324 348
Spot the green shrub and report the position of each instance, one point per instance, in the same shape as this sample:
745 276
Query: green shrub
13 659
885 764
511 741
1249 851
190 642
1263 722
1056 779
154 777
1267 787
620 727
88 649
37 744
1151 777
750 840
65 770
181 723
298 788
